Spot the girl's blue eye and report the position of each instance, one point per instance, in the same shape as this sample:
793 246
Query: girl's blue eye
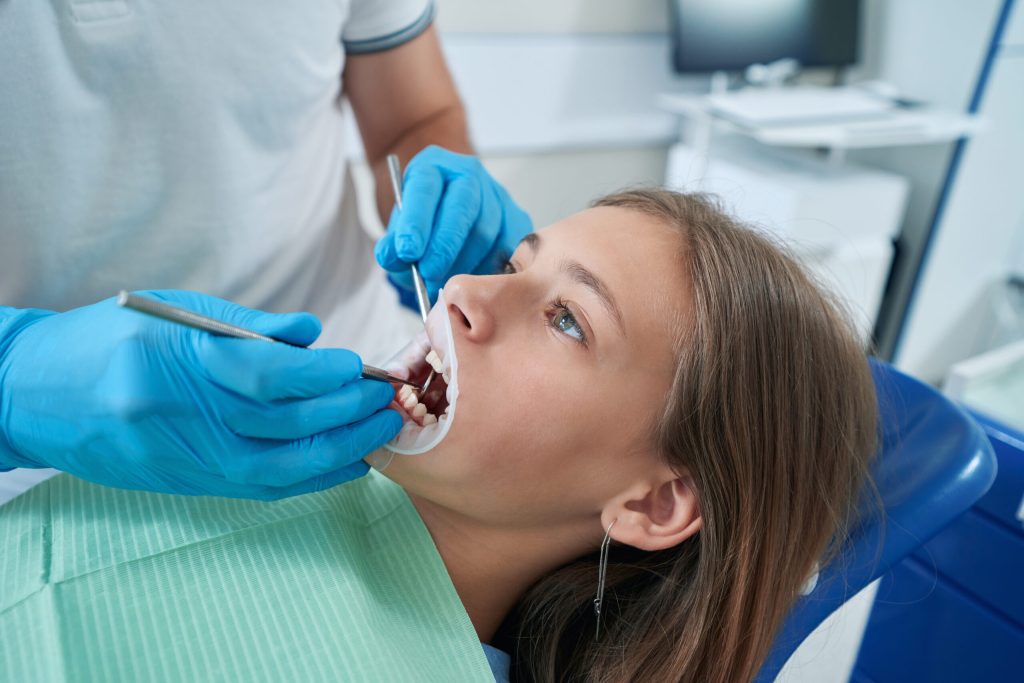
565 322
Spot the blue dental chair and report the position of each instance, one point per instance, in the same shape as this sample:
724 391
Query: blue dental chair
935 462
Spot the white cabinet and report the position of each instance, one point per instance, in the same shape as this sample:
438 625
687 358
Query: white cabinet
839 220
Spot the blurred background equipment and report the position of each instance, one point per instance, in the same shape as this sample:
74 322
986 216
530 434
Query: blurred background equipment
731 35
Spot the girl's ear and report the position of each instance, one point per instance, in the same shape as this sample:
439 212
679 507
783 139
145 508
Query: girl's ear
655 515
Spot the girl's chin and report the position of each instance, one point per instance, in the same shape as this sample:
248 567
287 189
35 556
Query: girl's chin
394 465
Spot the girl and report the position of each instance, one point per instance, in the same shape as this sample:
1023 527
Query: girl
647 375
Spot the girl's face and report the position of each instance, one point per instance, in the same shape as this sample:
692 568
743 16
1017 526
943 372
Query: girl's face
565 361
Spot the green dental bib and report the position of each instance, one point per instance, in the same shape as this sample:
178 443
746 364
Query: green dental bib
101 584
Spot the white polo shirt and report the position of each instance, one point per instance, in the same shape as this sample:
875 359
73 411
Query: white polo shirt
194 144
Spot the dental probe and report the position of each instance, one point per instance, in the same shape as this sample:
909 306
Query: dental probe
422 299
173 314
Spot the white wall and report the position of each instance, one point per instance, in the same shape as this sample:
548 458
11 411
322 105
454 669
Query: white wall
931 50
979 237
546 16
562 94
579 176
528 92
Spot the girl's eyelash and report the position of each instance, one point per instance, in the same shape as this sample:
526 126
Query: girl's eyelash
561 308
558 308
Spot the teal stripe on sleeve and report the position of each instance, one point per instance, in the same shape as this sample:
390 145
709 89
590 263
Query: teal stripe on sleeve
394 39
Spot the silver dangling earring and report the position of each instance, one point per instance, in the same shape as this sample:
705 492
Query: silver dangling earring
602 569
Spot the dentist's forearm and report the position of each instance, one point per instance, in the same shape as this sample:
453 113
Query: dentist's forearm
404 99
446 128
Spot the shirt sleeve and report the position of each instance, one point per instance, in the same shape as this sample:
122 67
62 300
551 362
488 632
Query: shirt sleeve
378 25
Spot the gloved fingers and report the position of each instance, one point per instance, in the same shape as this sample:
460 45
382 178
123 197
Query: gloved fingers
516 224
433 287
421 195
385 252
404 289
482 240
265 371
403 280
456 218
299 418
290 462
318 483
301 329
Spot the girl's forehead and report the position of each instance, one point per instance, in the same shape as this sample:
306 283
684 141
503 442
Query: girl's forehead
638 253
621 241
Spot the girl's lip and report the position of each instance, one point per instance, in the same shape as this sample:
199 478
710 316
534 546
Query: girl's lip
416 437
440 349
395 406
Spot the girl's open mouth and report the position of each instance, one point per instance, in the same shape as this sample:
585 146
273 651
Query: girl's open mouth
428 416
425 408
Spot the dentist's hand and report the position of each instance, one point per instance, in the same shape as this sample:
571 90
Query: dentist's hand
122 399
455 218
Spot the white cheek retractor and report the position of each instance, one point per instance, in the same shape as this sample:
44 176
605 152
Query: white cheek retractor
415 439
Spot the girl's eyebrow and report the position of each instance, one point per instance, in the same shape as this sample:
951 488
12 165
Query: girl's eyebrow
532 240
579 273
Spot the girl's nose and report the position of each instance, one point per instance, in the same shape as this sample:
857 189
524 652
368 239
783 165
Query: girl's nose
471 302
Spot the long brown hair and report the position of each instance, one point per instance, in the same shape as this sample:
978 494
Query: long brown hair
772 412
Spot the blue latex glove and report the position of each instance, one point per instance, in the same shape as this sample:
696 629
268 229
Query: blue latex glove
122 399
455 218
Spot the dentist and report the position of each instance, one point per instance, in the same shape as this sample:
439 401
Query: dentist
200 146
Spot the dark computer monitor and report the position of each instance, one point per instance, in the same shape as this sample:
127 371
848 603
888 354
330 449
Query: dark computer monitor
730 35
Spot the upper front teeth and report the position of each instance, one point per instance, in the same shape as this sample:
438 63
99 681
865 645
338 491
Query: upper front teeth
410 400
407 397
435 361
